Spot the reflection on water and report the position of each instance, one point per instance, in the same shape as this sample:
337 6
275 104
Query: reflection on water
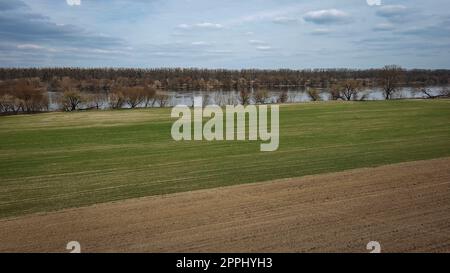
232 97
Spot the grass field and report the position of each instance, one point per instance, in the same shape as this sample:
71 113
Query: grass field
60 160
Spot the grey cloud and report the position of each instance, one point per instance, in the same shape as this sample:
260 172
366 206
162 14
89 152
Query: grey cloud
429 31
11 5
392 12
32 38
24 27
440 30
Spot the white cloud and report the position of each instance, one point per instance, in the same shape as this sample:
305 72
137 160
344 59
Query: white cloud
260 45
29 46
257 42
284 20
281 15
184 26
37 48
264 48
200 43
208 25
373 2
203 25
326 16
73 2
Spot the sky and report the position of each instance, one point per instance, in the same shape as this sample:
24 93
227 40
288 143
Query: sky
232 34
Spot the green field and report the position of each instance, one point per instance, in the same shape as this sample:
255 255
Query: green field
60 160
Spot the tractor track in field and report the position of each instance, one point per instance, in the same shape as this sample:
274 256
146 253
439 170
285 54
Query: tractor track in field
405 207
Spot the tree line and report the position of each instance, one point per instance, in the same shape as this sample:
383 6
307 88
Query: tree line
220 79
25 90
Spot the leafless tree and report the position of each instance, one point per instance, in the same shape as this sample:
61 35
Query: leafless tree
283 97
96 100
31 96
390 78
244 97
314 94
428 93
71 100
261 96
93 80
445 92
149 94
335 92
206 99
133 96
230 98
116 99
242 84
162 99
10 104
218 98
346 90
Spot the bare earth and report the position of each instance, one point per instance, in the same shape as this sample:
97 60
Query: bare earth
405 207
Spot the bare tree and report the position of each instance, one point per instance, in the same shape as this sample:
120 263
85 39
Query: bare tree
134 96
218 98
261 96
92 80
116 100
314 94
72 97
31 96
242 83
445 92
71 100
149 94
424 90
389 81
67 84
230 98
10 104
3 104
335 92
206 100
346 90
283 98
162 99
244 97
96 100
429 94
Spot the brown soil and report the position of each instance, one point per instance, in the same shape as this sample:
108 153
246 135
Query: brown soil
405 207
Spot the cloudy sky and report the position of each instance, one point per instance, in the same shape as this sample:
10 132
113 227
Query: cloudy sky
225 33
